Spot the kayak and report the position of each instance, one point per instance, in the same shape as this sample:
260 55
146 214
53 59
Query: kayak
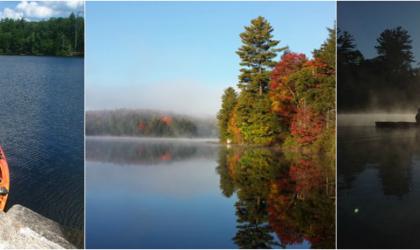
4 180
397 125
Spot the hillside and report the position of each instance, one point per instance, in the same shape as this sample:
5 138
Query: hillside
148 123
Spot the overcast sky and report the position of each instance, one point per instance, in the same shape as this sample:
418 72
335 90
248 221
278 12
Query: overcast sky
38 10
180 56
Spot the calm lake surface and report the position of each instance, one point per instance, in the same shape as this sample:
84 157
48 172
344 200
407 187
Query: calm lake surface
194 193
378 185
41 131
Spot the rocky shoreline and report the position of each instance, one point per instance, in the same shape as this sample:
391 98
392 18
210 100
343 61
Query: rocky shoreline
22 228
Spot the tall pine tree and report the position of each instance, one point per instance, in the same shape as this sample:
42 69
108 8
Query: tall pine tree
257 56
258 125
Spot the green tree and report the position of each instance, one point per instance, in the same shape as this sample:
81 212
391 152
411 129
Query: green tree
257 56
229 100
258 125
327 52
55 36
325 75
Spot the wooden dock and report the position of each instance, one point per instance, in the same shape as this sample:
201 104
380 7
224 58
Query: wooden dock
397 125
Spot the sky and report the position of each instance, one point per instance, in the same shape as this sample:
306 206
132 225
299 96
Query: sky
180 56
39 10
366 20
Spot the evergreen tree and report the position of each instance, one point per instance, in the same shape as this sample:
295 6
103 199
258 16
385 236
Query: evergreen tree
351 91
55 36
325 73
346 49
395 50
258 125
229 100
257 56
327 52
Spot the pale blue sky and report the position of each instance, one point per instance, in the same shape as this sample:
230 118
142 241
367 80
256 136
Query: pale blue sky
180 56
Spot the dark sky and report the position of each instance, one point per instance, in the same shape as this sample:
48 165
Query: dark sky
366 20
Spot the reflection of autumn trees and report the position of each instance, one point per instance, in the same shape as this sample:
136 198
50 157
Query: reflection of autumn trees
291 198
301 206
139 152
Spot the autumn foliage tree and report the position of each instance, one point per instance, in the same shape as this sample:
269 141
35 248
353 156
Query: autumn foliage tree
292 100
282 90
306 125
229 100
294 103
302 92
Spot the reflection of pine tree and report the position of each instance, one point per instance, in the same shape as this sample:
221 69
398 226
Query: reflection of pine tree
226 182
253 229
291 199
254 171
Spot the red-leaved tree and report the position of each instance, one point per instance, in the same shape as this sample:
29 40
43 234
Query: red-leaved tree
306 125
283 91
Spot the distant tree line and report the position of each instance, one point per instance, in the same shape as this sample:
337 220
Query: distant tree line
289 102
389 81
52 37
147 123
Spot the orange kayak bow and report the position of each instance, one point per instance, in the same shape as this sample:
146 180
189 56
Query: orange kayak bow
4 180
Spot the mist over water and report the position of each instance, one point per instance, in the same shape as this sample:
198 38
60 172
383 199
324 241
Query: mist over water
196 193
378 182
369 119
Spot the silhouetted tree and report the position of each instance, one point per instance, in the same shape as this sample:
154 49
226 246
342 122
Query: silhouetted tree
395 51
347 54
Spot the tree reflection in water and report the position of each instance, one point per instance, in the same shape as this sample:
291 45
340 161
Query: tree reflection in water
291 197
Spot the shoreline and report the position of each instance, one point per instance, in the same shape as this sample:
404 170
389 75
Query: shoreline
157 139
80 56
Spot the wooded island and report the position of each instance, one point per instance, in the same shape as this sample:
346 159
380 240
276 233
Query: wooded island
289 103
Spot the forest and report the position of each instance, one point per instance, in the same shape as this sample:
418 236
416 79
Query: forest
52 37
290 102
147 123
388 82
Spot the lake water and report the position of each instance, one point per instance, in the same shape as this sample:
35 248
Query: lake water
194 193
378 185
41 131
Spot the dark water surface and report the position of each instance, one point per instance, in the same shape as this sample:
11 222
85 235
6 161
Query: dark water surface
41 130
193 193
378 187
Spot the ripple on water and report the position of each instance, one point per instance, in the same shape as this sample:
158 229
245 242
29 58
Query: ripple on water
42 106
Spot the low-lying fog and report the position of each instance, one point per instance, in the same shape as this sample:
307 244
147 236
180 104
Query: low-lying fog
369 119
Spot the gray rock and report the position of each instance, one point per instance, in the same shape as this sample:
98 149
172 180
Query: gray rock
22 228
